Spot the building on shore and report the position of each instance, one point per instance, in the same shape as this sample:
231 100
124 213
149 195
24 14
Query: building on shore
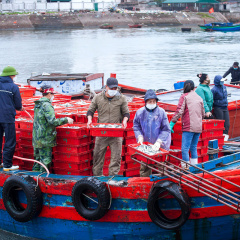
190 5
231 6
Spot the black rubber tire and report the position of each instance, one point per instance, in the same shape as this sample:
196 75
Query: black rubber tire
12 203
156 213
102 193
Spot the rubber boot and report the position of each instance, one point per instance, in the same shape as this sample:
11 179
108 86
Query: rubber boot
193 161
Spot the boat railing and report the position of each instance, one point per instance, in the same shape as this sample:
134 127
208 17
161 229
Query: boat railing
199 182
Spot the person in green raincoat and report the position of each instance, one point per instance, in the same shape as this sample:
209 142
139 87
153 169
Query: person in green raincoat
44 128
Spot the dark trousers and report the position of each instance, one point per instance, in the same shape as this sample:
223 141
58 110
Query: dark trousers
222 113
10 143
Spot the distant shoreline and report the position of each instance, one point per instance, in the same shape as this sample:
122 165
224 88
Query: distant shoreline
95 19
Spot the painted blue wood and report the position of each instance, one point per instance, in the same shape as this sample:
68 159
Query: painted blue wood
213 144
220 228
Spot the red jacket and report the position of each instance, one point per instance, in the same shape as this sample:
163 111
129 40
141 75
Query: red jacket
191 109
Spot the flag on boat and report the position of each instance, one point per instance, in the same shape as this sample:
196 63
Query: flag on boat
211 10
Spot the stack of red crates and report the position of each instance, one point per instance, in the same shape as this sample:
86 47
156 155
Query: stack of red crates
212 129
17 149
73 153
25 127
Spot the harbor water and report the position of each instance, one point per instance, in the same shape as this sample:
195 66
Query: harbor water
147 57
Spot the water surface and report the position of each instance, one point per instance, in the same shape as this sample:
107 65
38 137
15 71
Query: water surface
146 57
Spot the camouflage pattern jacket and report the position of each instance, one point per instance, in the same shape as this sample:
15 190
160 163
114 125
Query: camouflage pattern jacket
45 123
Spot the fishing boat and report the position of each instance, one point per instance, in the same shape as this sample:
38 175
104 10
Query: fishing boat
186 29
54 206
106 26
201 202
135 25
222 27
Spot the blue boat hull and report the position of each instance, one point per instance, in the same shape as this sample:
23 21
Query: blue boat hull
219 228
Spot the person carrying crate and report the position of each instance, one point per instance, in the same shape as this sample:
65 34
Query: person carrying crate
151 125
10 101
112 107
44 128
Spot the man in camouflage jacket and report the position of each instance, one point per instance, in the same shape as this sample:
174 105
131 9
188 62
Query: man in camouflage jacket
44 129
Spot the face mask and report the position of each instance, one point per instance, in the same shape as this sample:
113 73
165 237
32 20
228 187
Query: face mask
235 68
112 93
51 100
221 83
208 82
151 106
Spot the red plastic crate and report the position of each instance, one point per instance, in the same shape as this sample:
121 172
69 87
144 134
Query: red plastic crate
71 165
72 132
26 125
27 149
28 155
129 140
213 124
129 132
72 148
76 141
131 164
130 124
26 133
160 157
175 151
85 172
209 133
106 132
71 157
203 158
132 172
26 141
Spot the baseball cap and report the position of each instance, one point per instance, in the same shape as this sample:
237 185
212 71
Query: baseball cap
112 82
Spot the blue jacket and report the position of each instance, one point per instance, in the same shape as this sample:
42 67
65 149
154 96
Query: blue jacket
152 125
219 93
10 100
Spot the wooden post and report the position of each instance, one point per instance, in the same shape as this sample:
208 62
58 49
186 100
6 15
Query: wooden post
213 144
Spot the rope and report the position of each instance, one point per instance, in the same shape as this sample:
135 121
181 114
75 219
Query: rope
110 191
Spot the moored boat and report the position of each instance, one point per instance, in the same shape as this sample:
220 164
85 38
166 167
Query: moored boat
137 25
60 206
222 27
106 26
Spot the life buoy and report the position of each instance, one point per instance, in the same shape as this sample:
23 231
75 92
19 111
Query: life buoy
22 198
91 198
155 212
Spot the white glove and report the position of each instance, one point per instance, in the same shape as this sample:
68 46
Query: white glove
157 145
140 139
70 120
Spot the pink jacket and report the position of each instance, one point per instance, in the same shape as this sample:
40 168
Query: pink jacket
191 109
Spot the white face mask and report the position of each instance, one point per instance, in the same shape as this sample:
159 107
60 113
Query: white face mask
112 93
151 106
51 99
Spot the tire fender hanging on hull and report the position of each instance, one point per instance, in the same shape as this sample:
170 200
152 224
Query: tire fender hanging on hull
101 198
155 212
11 193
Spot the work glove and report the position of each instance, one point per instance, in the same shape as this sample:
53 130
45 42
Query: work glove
157 145
171 126
140 139
70 120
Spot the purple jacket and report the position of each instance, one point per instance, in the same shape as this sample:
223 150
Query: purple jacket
152 125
